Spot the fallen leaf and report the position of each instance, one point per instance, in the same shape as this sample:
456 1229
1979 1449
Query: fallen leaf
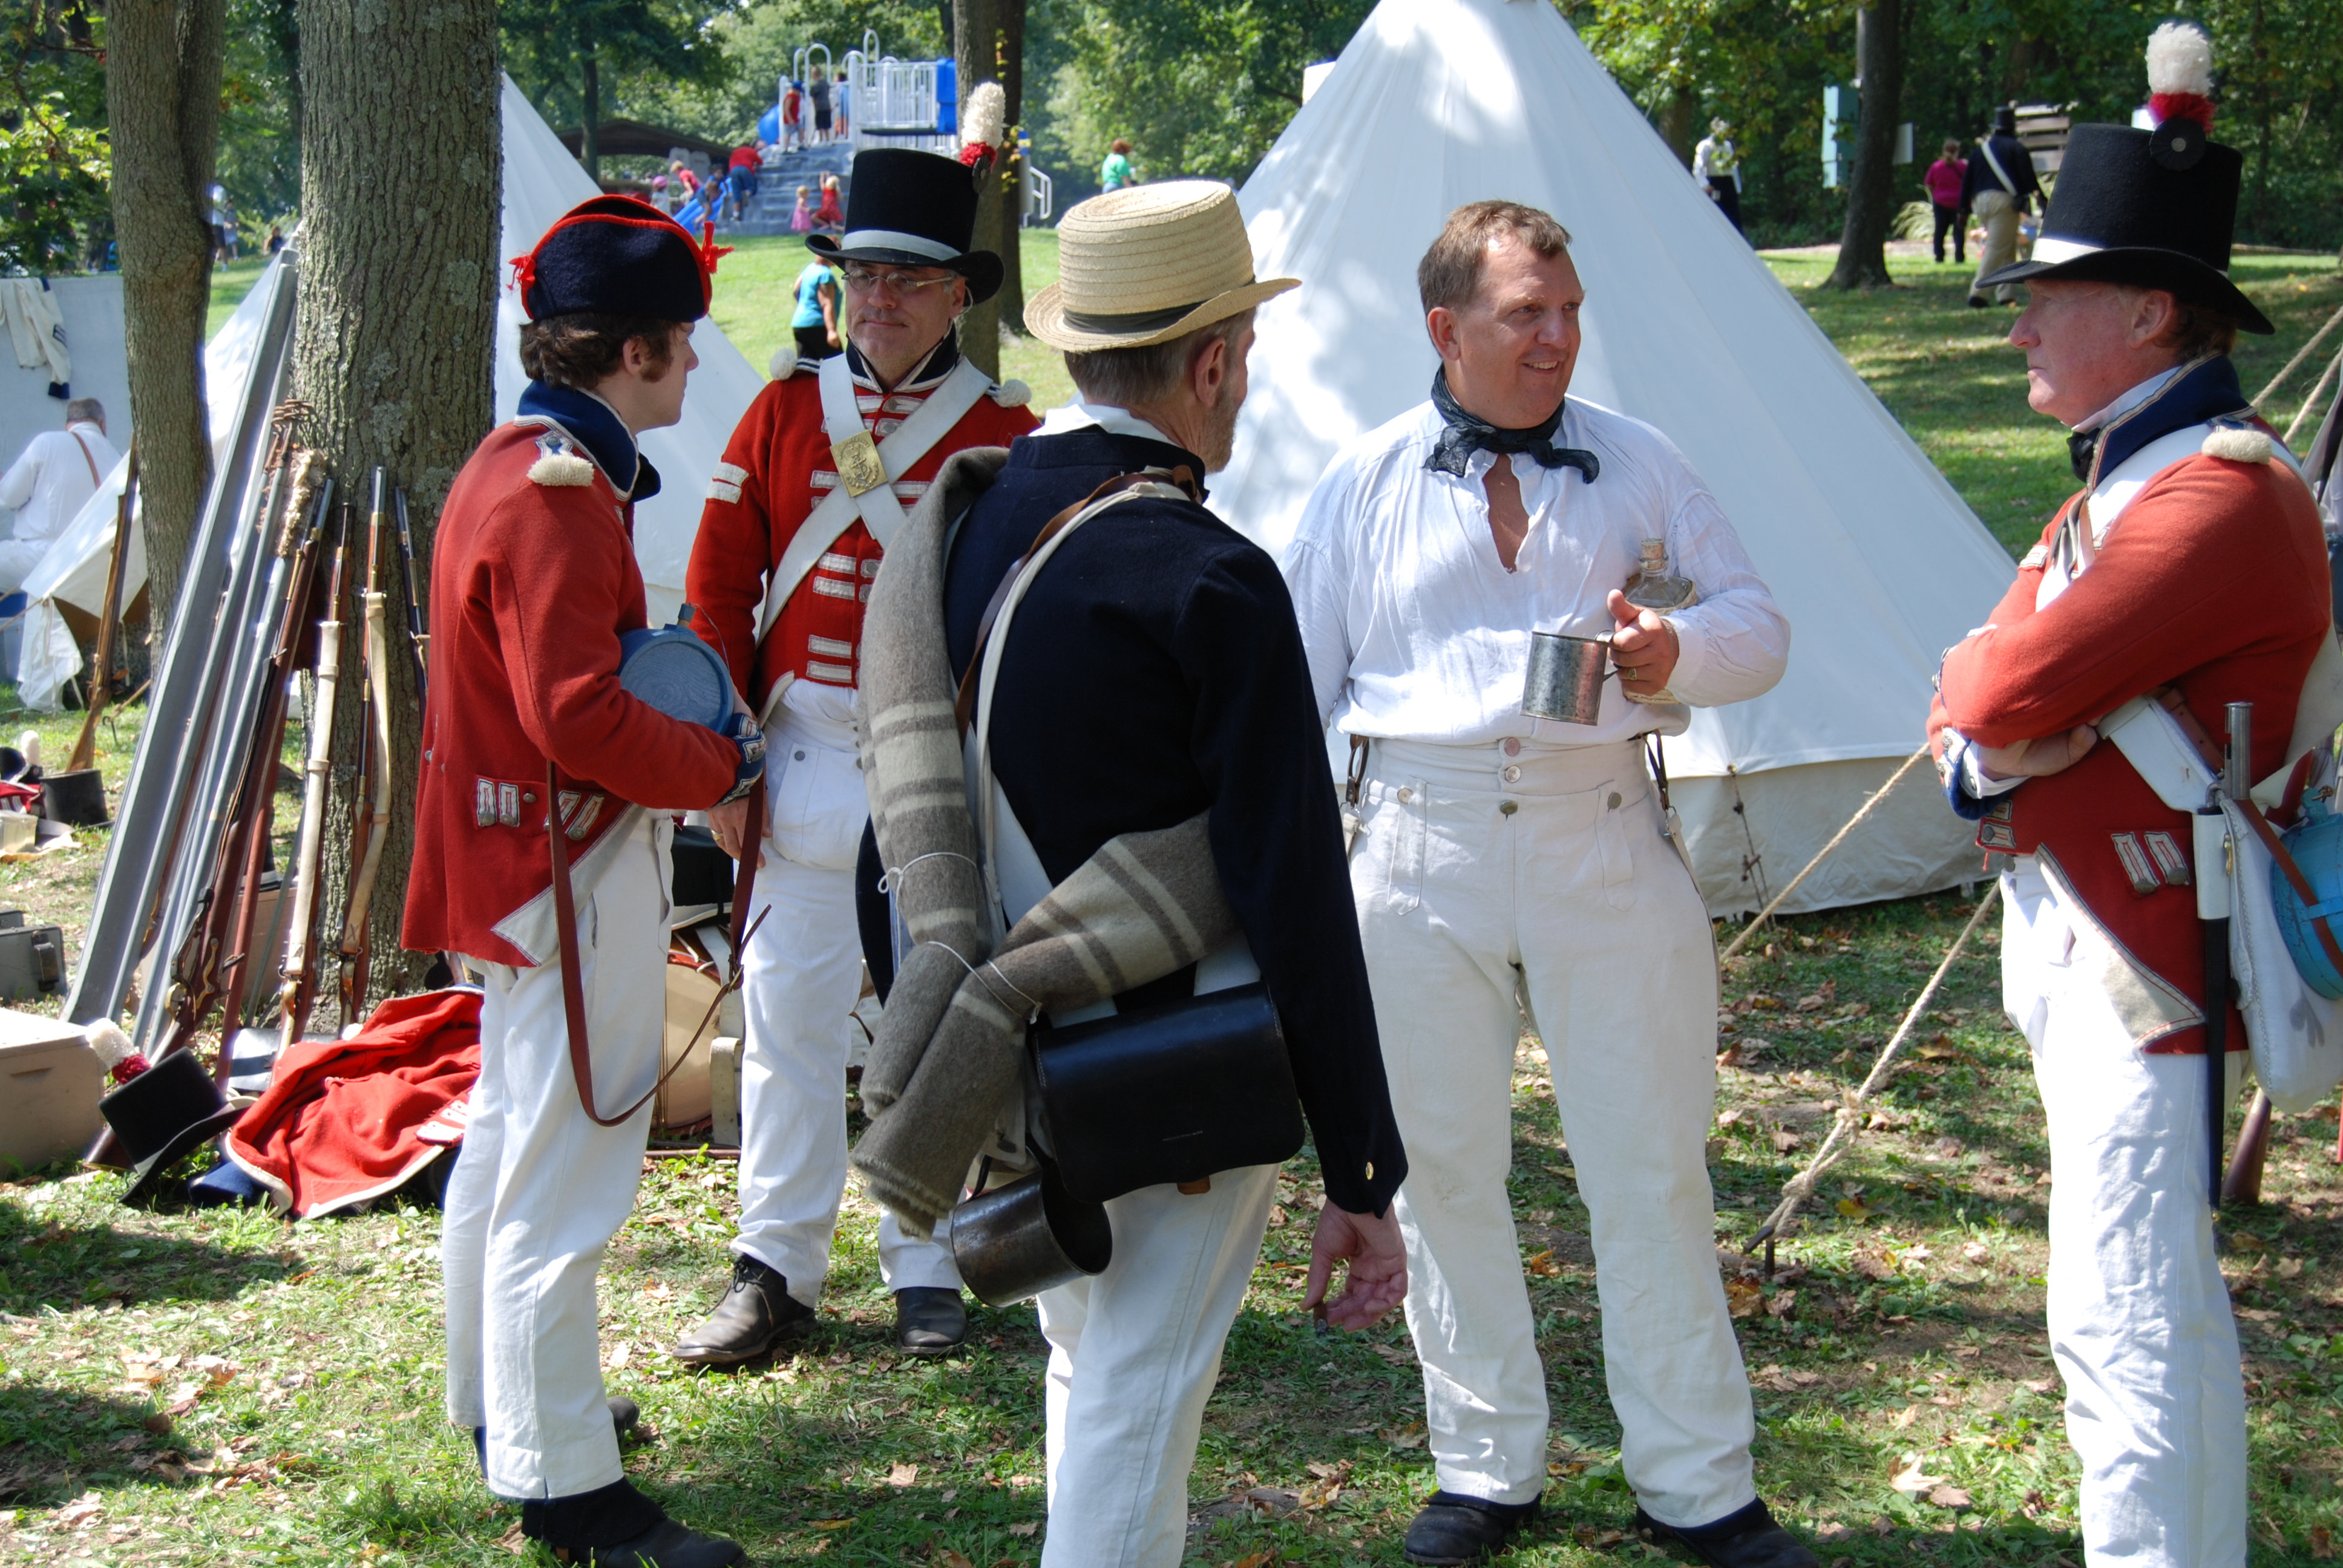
658 1290
2256 1315
2247 1241
1028 1528
621 1353
2322 1543
1976 1252
1743 1298
79 1512
1254 1560
945 1557
902 1474
2288 1268
1785 1304
1948 1497
1948 1147
1543 1265
1405 1437
1785 1141
1905 1417
843 1523
1854 1209
514 1541
1810 1003
1907 1476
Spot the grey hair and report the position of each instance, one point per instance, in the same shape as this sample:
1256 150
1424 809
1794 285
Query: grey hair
1124 378
85 411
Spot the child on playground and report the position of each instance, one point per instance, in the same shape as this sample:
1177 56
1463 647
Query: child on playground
829 216
801 219
793 115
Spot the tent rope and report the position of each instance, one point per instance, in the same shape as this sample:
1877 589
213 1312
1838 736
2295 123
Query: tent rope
1823 853
2301 354
1800 1187
2326 380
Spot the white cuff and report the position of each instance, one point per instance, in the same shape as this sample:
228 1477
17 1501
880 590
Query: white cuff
1692 658
1973 777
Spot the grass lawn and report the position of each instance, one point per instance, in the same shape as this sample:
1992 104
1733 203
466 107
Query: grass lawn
221 1388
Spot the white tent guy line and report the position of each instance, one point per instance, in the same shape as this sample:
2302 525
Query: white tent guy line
541 182
1877 562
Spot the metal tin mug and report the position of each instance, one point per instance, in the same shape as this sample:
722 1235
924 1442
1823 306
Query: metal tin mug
1014 1242
1566 676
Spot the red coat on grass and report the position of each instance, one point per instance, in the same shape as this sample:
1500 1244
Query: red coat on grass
533 578
2213 580
777 469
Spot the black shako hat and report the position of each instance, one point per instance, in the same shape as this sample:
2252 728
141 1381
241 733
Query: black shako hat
2151 208
620 256
161 1114
908 208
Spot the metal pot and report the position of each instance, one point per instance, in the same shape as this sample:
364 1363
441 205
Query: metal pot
1566 676
1014 1242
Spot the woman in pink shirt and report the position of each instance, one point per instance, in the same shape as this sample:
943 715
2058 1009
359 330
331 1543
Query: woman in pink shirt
1944 179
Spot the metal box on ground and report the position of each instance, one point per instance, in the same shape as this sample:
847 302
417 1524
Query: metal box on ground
32 958
50 1082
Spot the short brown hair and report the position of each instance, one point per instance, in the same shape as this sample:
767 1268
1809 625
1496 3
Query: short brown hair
1124 377
1450 272
1120 146
582 348
2197 330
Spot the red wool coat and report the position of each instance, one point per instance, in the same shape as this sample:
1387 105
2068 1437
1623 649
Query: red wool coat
777 469
532 581
2213 580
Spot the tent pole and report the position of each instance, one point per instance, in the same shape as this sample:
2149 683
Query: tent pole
1823 853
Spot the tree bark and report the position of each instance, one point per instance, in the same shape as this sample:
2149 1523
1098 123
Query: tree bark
1675 123
976 41
1010 310
590 119
162 100
1870 197
394 343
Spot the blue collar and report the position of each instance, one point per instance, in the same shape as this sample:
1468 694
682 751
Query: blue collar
2202 392
589 421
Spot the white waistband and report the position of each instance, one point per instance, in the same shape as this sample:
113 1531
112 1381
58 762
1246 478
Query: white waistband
792 725
1532 769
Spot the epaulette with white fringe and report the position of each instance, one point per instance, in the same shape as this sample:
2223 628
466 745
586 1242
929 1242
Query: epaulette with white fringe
2234 441
560 464
1012 394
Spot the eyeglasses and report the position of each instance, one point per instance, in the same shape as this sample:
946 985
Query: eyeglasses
862 280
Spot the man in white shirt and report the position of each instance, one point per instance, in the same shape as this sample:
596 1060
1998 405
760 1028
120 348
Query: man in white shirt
1503 860
49 483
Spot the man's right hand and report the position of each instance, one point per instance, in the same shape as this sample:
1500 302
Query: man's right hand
2038 759
729 824
1376 1280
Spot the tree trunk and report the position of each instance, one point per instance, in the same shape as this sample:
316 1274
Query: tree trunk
1871 196
589 121
1010 310
162 101
976 38
944 17
401 171
1675 123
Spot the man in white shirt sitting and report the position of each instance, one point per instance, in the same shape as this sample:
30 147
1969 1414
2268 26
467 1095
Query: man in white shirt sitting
1504 860
54 478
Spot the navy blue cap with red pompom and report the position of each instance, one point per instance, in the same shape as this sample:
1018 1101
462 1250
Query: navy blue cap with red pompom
620 255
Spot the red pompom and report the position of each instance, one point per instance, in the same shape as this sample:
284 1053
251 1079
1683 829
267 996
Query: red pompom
128 1068
2182 105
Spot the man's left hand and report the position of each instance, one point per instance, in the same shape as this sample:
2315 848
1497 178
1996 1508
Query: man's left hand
1377 1279
1644 645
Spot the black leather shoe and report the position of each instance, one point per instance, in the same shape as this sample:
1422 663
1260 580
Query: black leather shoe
1455 1529
668 1544
756 1314
1746 1538
625 1415
929 1320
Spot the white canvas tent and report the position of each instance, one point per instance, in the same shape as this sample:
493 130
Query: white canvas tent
541 182
1879 564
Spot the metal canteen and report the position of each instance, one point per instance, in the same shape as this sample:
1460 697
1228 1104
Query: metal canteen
1014 1242
1566 676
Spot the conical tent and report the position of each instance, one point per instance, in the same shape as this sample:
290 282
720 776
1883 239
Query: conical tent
1879 564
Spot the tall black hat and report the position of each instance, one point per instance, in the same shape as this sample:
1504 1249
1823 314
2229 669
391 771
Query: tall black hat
2152 208
161 1114
908 208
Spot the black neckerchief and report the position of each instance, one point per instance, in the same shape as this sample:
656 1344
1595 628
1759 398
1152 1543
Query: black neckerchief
930 371
1468 433
2203 391
589 421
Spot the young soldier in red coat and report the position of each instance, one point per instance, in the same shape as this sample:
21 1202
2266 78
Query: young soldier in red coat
533 581
2190 563
799 516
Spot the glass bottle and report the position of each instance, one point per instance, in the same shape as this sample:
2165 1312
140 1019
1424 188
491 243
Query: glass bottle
1654 589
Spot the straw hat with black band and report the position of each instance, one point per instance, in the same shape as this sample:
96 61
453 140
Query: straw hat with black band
1146 265
911 208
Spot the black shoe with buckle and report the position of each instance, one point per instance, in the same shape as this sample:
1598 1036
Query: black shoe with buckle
616 1526
929 1320
1745 1538
1453 1529
756 1314
668 1544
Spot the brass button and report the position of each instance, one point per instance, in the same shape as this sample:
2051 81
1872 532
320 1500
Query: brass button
1405 795
1614 801
1507 808
1512 746
1370 1169
1512 774
528 797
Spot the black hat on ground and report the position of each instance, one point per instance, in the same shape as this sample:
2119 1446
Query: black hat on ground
161 1114
618 256
2155 209
908 208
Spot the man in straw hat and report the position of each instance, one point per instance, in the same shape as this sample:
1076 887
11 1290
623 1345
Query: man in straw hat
530 745
1509 858
1143 705
2189 570
812 491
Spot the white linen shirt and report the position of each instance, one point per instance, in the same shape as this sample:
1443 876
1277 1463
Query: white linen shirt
1416 631
49 483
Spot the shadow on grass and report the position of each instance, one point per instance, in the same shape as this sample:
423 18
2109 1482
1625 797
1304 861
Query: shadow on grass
59 1265
55 1440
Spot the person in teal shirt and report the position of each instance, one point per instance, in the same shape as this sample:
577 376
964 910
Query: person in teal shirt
1116 172
816 321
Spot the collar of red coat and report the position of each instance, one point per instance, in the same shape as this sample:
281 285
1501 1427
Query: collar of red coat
595 425
2203 391
930 375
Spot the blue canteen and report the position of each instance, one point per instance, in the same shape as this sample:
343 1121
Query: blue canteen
2317 847
676 673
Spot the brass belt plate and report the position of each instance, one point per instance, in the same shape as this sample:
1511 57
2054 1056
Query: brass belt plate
859 467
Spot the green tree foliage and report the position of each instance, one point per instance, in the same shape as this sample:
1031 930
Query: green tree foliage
260 114
760 41
575 58
54 212
1198 86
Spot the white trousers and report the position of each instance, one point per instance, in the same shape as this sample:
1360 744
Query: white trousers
1485 880
540 1190
2139 1314
1133 1355
803 975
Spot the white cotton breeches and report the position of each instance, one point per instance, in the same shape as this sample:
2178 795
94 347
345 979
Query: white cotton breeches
802 976
1485 880
2139 1314
540 1190
1133 1355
